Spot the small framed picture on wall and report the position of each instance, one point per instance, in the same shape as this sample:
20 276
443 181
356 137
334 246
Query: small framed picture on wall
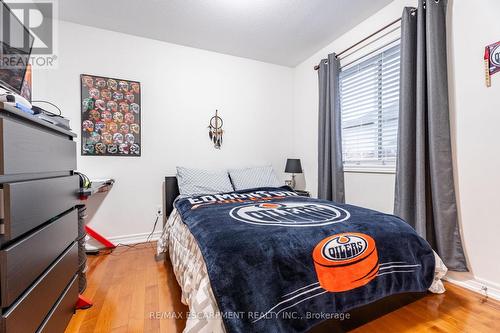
111 116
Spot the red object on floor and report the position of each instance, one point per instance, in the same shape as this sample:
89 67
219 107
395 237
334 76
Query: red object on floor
83 303
98 237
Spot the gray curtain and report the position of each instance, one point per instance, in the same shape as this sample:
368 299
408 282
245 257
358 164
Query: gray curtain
425 192
330 168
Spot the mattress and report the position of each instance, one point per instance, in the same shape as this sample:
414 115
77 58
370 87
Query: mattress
191 273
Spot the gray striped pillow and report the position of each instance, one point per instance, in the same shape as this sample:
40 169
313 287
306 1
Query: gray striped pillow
197 181
254 177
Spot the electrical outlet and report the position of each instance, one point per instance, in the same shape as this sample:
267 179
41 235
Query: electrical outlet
159 209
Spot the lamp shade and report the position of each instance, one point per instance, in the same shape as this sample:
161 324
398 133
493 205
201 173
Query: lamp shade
293 165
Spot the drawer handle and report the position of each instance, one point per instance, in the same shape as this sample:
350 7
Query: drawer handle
2 211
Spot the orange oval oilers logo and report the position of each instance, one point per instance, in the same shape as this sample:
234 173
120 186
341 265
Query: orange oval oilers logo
289 214
345 261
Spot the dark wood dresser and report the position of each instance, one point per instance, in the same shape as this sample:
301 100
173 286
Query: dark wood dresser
39 224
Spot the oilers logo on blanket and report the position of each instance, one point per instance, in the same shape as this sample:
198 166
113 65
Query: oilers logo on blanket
344 247
289 214
345 261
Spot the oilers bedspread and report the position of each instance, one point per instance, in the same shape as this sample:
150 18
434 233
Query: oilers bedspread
279 262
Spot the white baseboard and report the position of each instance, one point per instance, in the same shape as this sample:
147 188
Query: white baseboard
124 239
476 285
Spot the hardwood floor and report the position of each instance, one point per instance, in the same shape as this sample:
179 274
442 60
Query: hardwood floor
128 285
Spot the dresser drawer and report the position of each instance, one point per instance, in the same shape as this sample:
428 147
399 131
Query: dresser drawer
59 317
22 262
29 312
28 204
27 149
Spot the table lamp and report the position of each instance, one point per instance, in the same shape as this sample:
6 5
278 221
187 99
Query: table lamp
293 166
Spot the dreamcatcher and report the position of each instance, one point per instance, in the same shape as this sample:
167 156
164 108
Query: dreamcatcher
215 130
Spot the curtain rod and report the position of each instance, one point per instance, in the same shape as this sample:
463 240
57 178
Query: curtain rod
370 53
364 39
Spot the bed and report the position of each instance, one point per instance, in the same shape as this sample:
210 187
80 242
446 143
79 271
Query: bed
347 273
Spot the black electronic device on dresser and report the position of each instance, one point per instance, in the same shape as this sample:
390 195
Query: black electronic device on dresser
39 224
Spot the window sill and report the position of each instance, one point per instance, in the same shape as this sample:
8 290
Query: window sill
382 170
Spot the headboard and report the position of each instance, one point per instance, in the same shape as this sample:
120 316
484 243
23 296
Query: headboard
171 192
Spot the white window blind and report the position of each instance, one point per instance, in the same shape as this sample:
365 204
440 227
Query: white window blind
369 104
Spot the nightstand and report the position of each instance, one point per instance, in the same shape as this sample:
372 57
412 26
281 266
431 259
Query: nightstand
303 193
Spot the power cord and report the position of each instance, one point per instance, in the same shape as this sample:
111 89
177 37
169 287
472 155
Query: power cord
51 114
133 246
154 228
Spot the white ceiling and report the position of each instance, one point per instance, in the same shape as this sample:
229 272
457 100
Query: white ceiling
283 32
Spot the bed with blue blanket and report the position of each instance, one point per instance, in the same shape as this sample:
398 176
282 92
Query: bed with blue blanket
279 262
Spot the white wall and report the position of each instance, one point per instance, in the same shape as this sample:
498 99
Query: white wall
475 112
475 115
181 88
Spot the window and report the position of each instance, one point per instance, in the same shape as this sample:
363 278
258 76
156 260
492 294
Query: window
369 104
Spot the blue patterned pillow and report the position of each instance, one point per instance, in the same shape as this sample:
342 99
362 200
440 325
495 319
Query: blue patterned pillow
254 177
197 181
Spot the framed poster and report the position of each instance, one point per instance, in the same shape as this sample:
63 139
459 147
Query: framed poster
111 116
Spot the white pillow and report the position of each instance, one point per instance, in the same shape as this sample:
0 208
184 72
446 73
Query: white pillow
197 181
254 177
